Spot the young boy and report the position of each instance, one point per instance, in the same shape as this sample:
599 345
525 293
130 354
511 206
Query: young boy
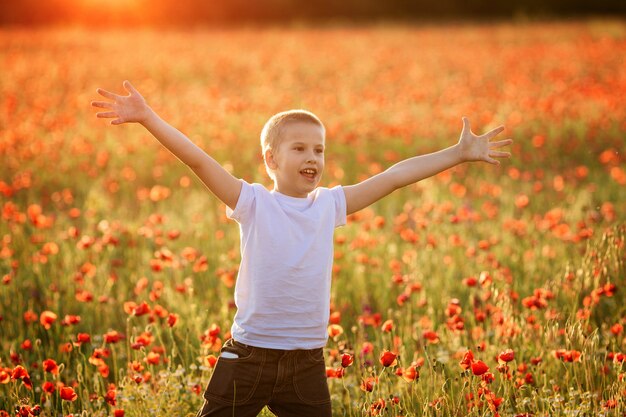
282 293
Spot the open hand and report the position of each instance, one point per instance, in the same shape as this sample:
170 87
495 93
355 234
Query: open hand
479 148
123 109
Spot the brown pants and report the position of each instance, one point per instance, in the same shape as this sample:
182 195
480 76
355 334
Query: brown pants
288 382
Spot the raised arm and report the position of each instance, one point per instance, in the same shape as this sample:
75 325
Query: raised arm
133 108
469 148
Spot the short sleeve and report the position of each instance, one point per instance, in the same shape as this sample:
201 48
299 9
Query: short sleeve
339 197
244 205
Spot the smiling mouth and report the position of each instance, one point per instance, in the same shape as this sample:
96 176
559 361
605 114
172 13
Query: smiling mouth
309 173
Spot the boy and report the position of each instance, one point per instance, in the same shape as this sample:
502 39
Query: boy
275 356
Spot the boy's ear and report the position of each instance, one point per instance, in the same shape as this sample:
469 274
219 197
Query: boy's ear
269 159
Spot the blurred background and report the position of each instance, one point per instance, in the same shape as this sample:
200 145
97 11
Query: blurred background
225 12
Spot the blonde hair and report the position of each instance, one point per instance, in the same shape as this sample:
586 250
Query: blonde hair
271 133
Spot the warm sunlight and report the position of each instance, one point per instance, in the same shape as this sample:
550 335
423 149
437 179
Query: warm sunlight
96 12
113 8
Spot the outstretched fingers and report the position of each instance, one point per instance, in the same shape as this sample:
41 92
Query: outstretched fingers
107 94
106 115
500 143
498 154
493 132
129 87
466 124
102 104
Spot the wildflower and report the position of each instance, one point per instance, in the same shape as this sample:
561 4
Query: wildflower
49 365
467 360
387 326
430 336
48 387
70 319
479 368
153 358
377 407
141 309
367 347
82 338
470 281
172 319
346 360
567 355
488 377
30 316
211 360
109 397
113 337
368 384
19 372
335 330
47 318
68 394
5 375
27 345
388 358
506 356
411 373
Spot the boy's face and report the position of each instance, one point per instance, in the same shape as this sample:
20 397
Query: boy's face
298 162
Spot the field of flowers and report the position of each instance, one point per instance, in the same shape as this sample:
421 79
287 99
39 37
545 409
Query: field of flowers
482 291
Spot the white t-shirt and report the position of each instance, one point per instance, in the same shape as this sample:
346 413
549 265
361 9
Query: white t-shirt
282 291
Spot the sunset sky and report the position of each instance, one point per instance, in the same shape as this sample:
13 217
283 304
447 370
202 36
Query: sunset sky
183 12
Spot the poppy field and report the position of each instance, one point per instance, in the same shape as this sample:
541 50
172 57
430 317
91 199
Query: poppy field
483 291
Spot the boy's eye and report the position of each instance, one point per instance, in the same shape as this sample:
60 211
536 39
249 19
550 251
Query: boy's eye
320 150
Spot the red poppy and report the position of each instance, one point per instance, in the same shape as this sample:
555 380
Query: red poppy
112 337
5 375
479 368
387 326
346 360
172 319
48 387
141 309
366 348
388 358
153 358
49 365
109 397
567 355
430 336
30 316
411 373
68 394
334 330
47 318
467 360
488 377
83 338
69 320
368 384
19 372
211 360
506 356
